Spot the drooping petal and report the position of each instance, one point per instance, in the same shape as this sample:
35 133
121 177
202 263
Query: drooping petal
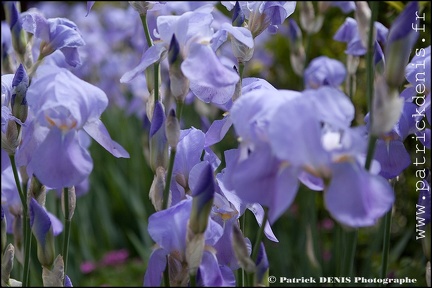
261 179
97 130
196 68
155 268
258 211
355 197
217 131
393 157
150 56
60 161
209 274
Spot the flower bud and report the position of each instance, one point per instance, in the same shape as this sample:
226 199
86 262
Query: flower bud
19 40
54 277
11 140
20 85
71 202
194 249
387 107
402 36
41 227
363 17
172 130
241 251
157 189
142 6
158 140
179 84
202 194
297 55
308 21
37 190
7 264
238 16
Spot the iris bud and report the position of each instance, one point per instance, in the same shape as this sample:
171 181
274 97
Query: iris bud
54 277
42 229
7 265
20 85
241 251
179 84
172 129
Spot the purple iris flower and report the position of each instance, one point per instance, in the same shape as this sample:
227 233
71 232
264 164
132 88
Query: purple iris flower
55 34
402 36
262 15
349 34
192 31
332 154
63 106
168 229
390 150
324 71
189 150
11 201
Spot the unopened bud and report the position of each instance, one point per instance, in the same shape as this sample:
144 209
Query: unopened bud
401 39
158 140
238 16
71 202
202 194
142 6
194 249
7 265
42 229
172 129
37 191
308 21
240 250
20 85
54 277
157 189
179 84
11 140
387 107
363 17
241 51
18 34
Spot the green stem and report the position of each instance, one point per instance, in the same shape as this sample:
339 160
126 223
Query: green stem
192 278
26 224
307 49
386 244
166 273
168 179
241 69
179 109
156 67
370 151
348 263
67 229
146 29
